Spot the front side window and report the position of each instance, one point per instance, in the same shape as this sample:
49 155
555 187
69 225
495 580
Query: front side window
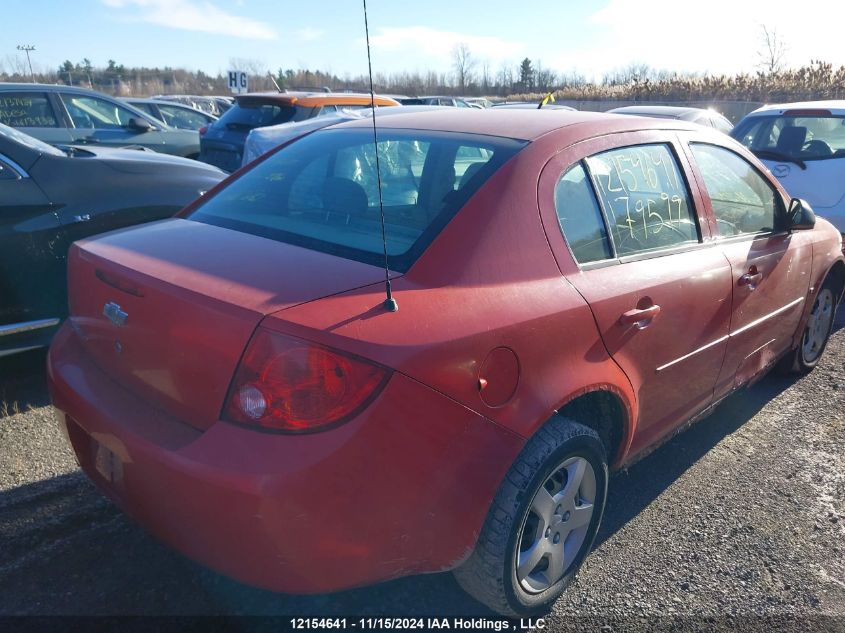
794 137
645 198
26 109
96 113
743 201
580 217
321 191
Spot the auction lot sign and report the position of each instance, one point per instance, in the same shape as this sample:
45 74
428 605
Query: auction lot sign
238 82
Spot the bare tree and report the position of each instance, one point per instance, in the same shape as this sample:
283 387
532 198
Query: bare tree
546 78
485 76
772 54
633 74
16 65
506 78
463 62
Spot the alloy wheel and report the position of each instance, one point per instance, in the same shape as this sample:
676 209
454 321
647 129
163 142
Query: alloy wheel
818 326
556 525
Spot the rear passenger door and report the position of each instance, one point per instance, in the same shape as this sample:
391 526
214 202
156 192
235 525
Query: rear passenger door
770 265
36 114
658 287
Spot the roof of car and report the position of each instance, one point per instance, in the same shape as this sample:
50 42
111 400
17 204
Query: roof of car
47 87
527 105
310 99
517 123
659 110
835 107
166 102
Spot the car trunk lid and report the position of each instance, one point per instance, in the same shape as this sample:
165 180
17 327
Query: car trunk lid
167 309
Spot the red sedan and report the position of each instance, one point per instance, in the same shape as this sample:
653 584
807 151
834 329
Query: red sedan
571 288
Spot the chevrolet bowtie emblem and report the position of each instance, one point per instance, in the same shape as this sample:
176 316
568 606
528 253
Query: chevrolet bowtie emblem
114 314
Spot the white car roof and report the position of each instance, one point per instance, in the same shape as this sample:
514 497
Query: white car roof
835 107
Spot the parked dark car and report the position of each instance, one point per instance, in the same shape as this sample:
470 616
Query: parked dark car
573 288
50 197
62 115
223 142
176 115
702 116
211 105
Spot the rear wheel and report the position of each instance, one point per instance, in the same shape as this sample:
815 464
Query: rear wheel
816 332
542 522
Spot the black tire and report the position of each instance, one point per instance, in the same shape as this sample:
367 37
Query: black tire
804 357
490 573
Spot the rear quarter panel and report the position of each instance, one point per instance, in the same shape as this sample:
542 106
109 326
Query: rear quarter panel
488 281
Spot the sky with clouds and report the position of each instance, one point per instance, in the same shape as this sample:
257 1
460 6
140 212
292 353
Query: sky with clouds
592 37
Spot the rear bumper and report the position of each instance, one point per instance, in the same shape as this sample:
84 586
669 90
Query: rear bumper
226 156
403 488
22 337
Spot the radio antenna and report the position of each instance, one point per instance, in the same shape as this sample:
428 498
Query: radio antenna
389 303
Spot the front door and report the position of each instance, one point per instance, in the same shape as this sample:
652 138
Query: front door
770 265
29 264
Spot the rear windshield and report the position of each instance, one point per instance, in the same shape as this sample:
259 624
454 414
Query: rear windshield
321 192
249 115
796 137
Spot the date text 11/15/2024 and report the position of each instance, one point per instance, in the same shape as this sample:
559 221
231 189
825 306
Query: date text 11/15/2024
411 624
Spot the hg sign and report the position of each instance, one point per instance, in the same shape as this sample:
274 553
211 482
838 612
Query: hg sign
238 83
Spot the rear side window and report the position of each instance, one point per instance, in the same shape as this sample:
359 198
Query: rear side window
580 217
743 202
26 109
321 191
249 115
644 197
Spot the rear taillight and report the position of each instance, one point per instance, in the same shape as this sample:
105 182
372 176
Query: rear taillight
289 385
203 130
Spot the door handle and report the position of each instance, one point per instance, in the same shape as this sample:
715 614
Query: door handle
751 279
642 318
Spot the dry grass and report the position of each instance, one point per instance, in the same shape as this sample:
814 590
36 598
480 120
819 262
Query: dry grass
819 80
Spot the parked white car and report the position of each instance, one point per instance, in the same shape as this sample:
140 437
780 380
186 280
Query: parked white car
803 145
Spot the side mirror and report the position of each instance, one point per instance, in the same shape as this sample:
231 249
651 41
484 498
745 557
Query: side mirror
139 124
801 215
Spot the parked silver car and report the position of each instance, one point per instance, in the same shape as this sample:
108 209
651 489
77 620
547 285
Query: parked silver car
66 115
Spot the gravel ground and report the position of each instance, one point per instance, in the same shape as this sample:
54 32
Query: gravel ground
737 524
